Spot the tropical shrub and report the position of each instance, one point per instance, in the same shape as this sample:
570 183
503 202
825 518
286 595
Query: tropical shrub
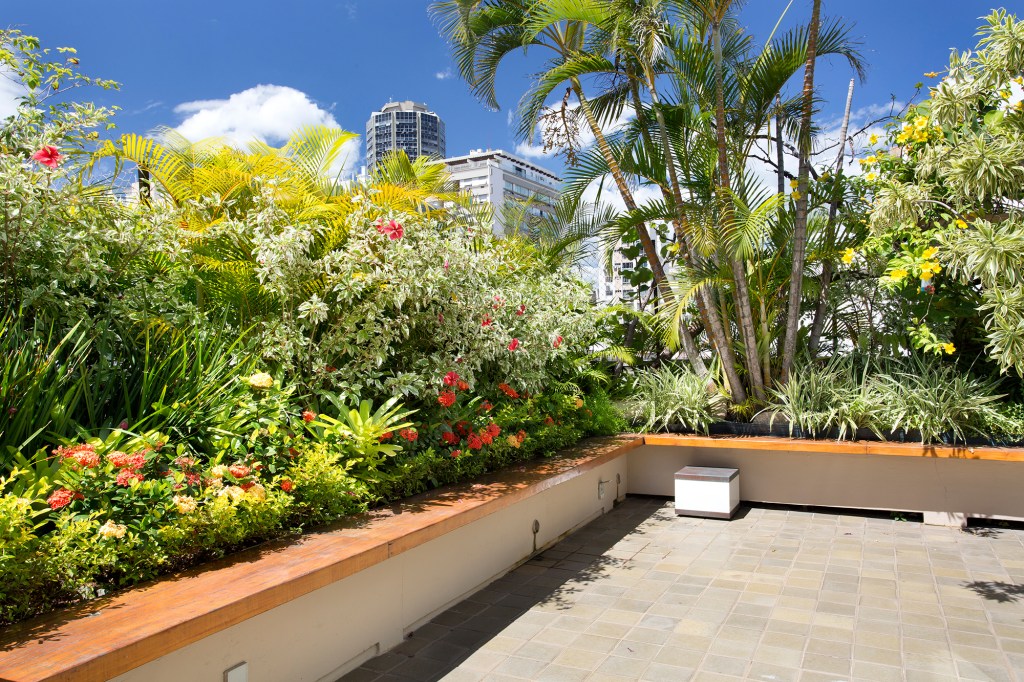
822 398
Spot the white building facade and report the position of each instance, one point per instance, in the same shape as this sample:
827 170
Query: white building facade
496 176
407 126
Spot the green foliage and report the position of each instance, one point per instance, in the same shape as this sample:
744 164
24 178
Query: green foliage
670 397
819 399
324 490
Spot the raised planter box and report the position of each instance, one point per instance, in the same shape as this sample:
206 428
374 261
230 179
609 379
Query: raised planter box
946 484
315 608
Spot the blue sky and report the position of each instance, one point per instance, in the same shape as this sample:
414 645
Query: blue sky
201 63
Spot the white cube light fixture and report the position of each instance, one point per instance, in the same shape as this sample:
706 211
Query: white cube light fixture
708 492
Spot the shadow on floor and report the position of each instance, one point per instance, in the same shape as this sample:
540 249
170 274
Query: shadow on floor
997 591
552 577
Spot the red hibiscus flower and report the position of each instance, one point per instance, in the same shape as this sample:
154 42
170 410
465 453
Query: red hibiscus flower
513 344
451 378
392 229
447 398
308 415
48 156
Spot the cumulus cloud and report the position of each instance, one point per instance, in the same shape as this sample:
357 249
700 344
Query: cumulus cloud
269 113
444 75
10 91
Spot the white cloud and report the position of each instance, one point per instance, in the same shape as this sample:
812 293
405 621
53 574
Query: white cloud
10 90
270 113
444 75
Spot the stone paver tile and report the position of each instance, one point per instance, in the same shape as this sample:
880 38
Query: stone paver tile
625 667
659 672
769 672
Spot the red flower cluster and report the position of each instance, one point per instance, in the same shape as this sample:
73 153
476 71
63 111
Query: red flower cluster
487 322
489 433
84 455
462 385
508 390
48 156
513 344
287 485
387 435
450 437
308 415
557 342
456 453
486 406
409 434
521 436
127 476
474 442
392 229
462 427
447 398
239 470
521 310
123 460
62 497
451 378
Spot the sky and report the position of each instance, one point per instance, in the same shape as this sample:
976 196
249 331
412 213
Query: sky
260 69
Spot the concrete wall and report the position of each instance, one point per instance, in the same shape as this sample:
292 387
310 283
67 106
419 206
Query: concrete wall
956 487
326 633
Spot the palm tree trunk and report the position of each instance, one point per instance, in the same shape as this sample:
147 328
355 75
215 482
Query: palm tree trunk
648 245
830 228
744 315
796 279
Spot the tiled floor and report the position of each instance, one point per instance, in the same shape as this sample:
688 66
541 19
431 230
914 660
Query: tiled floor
776 594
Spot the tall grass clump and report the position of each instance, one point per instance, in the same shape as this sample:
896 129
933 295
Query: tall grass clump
819 398
672 397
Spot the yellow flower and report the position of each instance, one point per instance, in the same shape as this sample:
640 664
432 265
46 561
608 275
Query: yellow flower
261 380
185 504
796 196
931 266
112 530
921 136
1005 94
1019 80
871 159
849 255
897 274
873 139
926 276
513 441
930 252
931 74
902 138
961 224
794 183
871 177
921 122
949 348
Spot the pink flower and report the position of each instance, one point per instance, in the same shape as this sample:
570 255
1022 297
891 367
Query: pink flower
48 156
451 378
557 342
392 229
447 398
513 344
446 265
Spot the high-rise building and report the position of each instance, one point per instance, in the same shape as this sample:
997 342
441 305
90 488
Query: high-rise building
408 126
495 176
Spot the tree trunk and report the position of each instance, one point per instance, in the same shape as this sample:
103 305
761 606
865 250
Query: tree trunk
745 317
796 280
648 245
833 209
